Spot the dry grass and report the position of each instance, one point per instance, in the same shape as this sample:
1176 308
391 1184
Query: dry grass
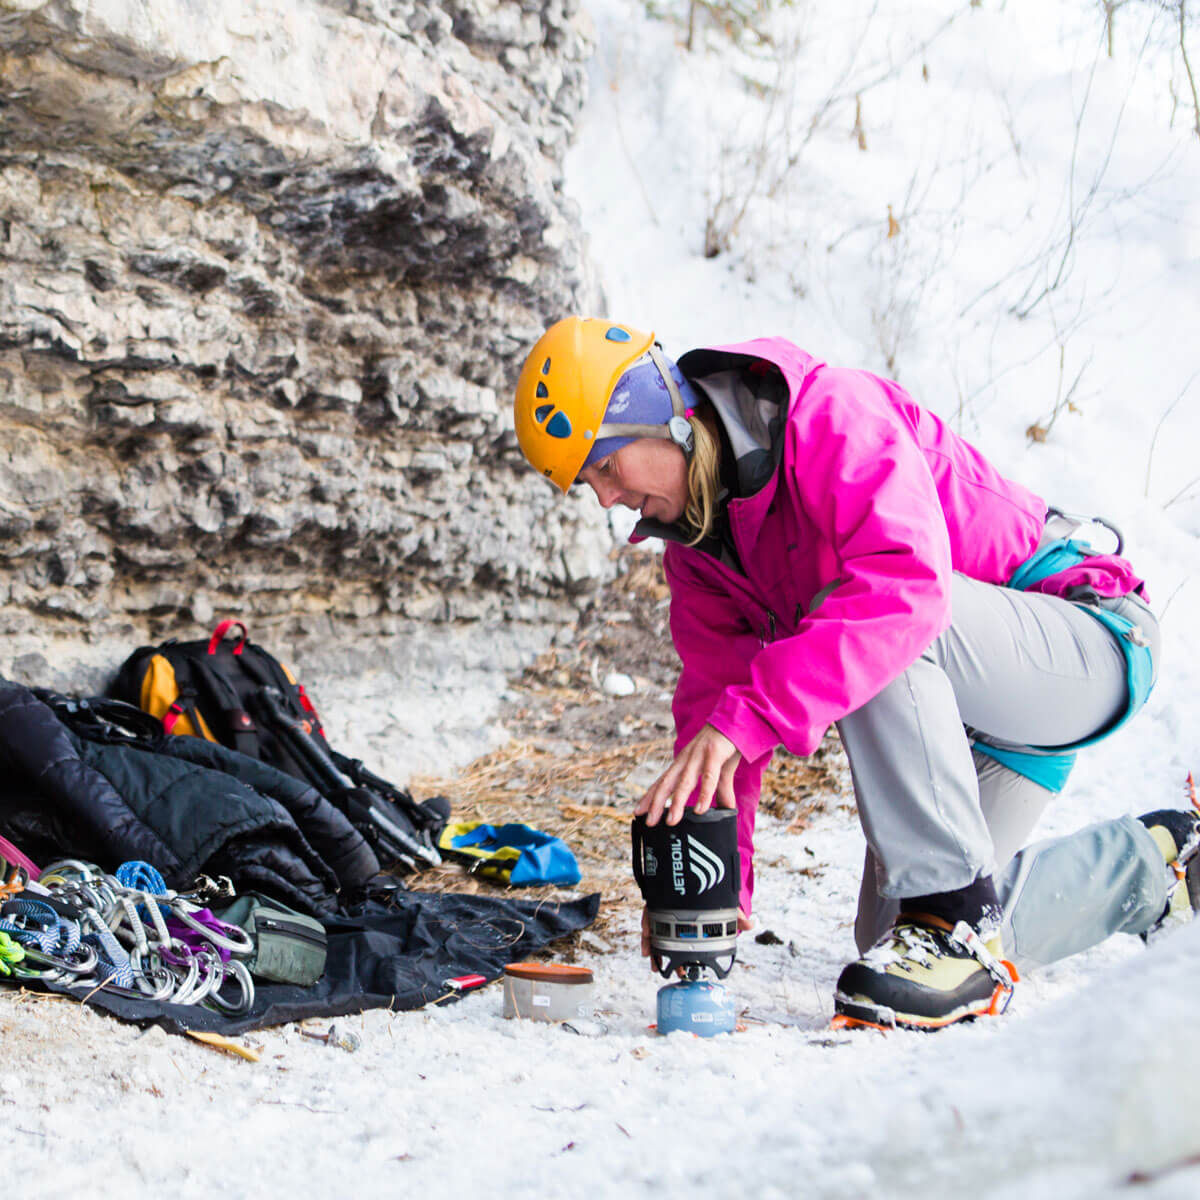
579 758
529 783
545 777
796 789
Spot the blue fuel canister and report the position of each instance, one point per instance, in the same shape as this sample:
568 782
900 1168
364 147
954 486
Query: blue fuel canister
696 1006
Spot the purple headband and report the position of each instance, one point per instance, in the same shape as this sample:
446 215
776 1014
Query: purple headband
641 398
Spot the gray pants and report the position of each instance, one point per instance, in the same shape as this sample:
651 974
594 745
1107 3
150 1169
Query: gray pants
1014 669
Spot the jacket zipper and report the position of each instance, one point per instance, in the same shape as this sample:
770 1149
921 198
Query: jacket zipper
768 635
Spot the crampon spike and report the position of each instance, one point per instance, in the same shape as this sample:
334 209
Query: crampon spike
841 1021
1004 992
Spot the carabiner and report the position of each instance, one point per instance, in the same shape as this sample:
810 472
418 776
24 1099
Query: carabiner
245 983
232 937
82 961
1085 519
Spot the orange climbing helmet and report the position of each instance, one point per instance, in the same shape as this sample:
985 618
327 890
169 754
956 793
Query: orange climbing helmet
564 389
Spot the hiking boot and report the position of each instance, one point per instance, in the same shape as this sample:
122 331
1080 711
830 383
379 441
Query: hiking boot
1177 833
924 974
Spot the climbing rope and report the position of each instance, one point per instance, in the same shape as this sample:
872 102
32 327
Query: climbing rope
11 953
127 933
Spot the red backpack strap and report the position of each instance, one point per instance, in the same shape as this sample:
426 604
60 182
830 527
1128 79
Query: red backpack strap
310 708
220 632
171 717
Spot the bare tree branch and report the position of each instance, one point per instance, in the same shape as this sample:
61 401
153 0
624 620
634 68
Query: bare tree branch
1077 215
1183 491
1158 428
1187 64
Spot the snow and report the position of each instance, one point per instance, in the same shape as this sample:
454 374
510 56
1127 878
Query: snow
985 129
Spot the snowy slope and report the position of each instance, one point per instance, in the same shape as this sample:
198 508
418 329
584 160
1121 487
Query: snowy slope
985 129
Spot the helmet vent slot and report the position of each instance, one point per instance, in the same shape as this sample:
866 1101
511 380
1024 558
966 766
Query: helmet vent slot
542 391
546 367
559 426
542 412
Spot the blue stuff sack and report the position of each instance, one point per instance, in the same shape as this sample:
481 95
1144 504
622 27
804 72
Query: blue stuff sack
513 853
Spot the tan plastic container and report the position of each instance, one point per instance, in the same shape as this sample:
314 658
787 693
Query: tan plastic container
546 991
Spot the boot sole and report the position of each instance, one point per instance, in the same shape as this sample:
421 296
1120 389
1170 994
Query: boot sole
859 1013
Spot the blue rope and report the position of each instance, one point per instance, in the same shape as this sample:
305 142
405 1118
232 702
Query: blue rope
140 876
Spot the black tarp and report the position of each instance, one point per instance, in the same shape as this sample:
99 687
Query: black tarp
396 955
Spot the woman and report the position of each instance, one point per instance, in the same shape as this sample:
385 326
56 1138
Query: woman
836 555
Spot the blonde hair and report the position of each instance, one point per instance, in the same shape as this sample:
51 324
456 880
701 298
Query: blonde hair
703 481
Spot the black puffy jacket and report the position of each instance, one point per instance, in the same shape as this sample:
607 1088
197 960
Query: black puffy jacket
73 782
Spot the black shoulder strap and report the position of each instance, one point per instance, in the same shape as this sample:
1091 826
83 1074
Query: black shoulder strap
267 671
237 721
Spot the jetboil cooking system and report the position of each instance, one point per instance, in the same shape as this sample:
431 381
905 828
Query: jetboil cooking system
689 876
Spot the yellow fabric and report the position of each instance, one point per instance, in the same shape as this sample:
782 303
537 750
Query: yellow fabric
1165 843
160 690
905 955
941 974
574 366
1179 901
493 863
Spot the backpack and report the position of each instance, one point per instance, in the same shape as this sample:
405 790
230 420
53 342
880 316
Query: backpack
242 697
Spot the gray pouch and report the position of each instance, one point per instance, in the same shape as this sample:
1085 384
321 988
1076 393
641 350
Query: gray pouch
288 946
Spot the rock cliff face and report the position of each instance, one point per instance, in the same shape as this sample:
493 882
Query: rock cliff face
267 272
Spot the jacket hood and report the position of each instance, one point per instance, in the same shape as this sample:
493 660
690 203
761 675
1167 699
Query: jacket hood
750 397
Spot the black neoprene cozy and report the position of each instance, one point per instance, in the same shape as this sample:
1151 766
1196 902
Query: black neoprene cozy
689 875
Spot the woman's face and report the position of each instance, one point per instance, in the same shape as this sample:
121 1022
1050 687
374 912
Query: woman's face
647 474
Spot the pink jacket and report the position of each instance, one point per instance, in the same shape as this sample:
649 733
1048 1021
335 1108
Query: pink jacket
875 503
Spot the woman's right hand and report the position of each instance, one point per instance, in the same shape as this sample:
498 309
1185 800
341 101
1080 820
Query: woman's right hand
706 765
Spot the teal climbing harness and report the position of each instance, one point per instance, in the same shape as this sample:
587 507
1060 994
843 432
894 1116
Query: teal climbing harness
1051 765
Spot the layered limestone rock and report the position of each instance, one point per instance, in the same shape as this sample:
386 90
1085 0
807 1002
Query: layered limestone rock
267 272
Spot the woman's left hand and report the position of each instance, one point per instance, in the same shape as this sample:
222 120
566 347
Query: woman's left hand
709 759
